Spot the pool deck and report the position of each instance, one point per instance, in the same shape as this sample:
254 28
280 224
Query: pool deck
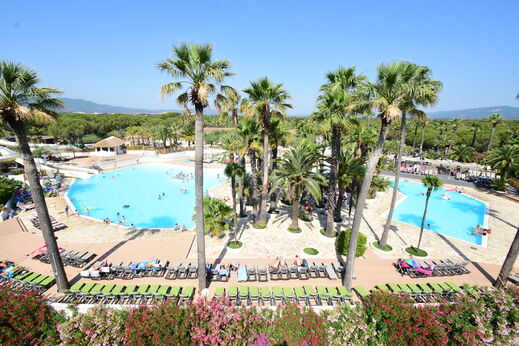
114 243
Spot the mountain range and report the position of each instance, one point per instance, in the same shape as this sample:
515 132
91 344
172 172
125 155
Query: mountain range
85 106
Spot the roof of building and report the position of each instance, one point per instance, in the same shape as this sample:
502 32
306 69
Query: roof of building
109 142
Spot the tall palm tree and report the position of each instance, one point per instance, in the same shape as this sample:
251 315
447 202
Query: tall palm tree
475 126
249 131
350 172
336 102
234 170
192 66
505 159
432 183
424 121
416 124
455 123
229 103
296 173
269 99
424 91
22 102
494 119
509 262
216 213
386 95
463 153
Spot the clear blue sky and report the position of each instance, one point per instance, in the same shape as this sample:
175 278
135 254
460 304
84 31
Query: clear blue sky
106 51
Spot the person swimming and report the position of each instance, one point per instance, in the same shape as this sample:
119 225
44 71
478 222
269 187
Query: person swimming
176 227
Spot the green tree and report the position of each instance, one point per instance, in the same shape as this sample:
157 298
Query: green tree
432 183
494 120
216 213
463 153
269 99
424 121
505 159
7 188
295 174
476 127
22 102
350 173
192 65
234 170
229 103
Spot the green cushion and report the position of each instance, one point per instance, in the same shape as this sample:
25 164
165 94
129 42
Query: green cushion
300 292
445 287
76 287
453 286
425 288
21 276
153 289
382 288
174 292
310 291
143 289
232 292
277 292
129 290
219 292
253 292
47 281
394 288
414 288
97 289
108 289
39 279
361 291
87 287
187 292
289 292
265 292
30 277
322 292
163 290
244 291
117 290
332 291
343 292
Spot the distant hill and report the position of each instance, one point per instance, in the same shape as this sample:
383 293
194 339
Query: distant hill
85 106
510 113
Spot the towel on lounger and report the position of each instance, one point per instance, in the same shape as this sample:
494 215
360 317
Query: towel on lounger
242 273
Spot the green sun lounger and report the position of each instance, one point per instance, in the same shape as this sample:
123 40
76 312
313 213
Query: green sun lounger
361 291
129 291
436 288
334 294
453 286
394 288
344 293
187 294
47 282
28 279
219 292
382 288
85 290
161 292
425 288
152 291
277 294
446 288
116 292
38 279
18 277
289 294
173 292
141 291
404 288
265 295
75 289
106 292
243 292
232 293
97 290
254 294
323 294
301 295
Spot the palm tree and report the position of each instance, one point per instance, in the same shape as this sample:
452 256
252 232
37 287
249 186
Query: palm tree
509 262
494 119
424 121
295 174
216 213
432 183
249 131
234 170
22 102
350 172
192 65
385 94
463 153
229 103
505 159
336 102
424 91
455 123
475 126
269 99
416 124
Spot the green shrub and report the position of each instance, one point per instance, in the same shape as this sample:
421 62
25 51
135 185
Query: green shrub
293 325
294 230
7 188
310 251
91 139
343 243
415 252
304 216
235 244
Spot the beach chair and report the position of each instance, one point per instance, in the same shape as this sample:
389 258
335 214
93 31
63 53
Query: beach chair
330 272
311 293
35 284
382 288
427 292
243 294
290 297
173 293
140 295
437 290
94 294
265 295
313 270
152 291
186 295
252 274
262 273
116 293
416 292
192 271
303 273
171 272
126 296
394 288
321 267
284 273
293 272
274 273
345 295
74 290
182 271
254 295
278 295
107 292
219 292
160 295
301 295
361 292
323 295
232 293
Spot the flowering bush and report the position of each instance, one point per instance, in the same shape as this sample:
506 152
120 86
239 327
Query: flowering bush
25 319
348 325
99 326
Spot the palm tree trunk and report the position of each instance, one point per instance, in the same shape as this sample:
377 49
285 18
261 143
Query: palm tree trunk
385 233
33 178
421 141
361 202
332 180
235 117
199 190
338 207
491 138
474 138
274 195
295 212
254 185
241 184
262 219
234 219
423 218
414 136
509 262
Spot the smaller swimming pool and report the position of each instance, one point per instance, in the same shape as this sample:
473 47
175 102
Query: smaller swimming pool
456 217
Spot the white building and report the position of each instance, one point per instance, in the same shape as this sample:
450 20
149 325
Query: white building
110 146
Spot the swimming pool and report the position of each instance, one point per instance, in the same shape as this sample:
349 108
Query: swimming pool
456 217
134 193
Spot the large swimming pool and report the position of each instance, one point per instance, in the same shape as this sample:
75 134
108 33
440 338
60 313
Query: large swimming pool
456 217
134 193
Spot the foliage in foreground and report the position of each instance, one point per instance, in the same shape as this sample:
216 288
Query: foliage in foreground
384 319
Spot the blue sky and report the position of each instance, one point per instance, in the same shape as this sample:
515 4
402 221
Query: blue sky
106 51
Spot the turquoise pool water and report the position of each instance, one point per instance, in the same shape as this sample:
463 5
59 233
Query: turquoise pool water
456 217
105 195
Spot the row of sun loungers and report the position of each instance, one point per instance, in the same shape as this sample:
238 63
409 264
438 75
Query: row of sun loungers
26 280
421 292
56 225
72 258
307 271
90 293
307 294
447 267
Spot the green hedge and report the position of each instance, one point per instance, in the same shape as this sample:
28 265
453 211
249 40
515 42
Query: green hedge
343 243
